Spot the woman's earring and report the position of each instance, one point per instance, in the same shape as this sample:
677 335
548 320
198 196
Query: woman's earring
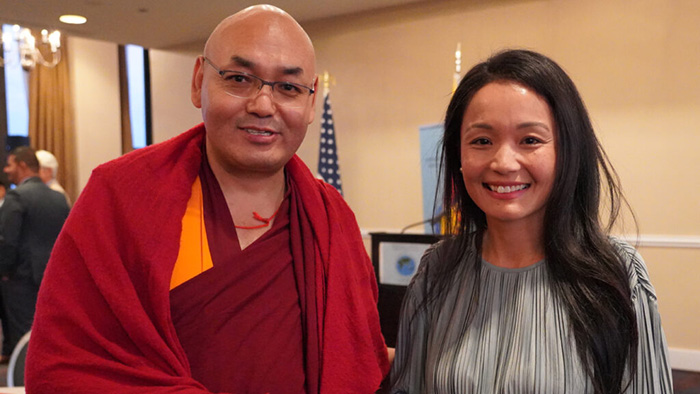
460 169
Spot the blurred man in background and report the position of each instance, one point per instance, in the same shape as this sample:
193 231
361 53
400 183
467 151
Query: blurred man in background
3 191
30 220
48 170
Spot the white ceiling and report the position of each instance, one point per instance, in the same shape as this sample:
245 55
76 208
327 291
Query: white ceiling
164 24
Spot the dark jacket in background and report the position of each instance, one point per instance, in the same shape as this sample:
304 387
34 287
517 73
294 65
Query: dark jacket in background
30 220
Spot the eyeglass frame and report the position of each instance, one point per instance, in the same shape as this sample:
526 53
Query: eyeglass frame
263 82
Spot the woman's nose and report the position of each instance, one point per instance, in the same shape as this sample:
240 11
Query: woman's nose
505 159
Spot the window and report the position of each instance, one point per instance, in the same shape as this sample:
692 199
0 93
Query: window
136 97
136 62
16 88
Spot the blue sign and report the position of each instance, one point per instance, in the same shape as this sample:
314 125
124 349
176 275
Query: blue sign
430 137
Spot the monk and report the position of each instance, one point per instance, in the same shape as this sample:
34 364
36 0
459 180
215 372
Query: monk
215 261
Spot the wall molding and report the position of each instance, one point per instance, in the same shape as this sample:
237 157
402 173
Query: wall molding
665 241
644 240
684 359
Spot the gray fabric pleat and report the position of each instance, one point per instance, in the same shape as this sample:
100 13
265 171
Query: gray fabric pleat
518 340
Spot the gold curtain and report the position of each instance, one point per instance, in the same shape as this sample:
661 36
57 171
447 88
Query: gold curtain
127 143
51 117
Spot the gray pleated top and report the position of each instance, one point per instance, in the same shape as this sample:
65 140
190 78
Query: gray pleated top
518 340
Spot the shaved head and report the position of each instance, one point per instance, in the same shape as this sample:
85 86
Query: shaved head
257 22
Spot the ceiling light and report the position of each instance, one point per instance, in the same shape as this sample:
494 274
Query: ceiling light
73 19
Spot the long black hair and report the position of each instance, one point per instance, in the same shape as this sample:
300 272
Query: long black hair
587 274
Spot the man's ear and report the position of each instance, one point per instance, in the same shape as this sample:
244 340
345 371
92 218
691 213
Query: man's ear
23 169
197 76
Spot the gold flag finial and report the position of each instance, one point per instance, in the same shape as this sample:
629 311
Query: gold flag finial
458 67
453 219
328 79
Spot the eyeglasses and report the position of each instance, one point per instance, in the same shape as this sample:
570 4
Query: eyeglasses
243 85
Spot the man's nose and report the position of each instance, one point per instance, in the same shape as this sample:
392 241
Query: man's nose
262 102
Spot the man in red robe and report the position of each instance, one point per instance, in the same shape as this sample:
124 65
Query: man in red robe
215 261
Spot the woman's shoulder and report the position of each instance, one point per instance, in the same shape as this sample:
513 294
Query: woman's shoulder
436 259
436 254
635 266
427 262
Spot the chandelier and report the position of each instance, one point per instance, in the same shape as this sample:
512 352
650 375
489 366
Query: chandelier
29 53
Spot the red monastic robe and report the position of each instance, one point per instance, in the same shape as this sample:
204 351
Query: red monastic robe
103 321
243 311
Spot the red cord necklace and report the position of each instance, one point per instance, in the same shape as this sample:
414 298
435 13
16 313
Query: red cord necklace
256 216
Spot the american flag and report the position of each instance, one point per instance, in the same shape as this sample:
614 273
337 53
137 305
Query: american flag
328 168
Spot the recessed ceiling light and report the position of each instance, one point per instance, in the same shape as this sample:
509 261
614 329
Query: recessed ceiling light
73 19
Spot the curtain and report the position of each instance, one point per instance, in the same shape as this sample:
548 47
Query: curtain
127 142
51 116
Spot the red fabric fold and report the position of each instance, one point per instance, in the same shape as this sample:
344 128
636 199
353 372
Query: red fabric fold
103 316
353 352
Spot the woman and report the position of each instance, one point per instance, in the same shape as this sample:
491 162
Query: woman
530 295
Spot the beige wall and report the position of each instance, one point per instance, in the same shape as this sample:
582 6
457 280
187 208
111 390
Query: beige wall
675 275
172 109
94 75
636 63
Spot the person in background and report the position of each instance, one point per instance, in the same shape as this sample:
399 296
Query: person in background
48 169
30 220
226 267
5 352
3 191
530 294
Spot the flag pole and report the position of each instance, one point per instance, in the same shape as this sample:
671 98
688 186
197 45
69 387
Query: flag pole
458 67
327 79
455 82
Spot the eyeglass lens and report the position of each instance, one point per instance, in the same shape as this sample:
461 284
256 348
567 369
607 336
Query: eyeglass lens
245 85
